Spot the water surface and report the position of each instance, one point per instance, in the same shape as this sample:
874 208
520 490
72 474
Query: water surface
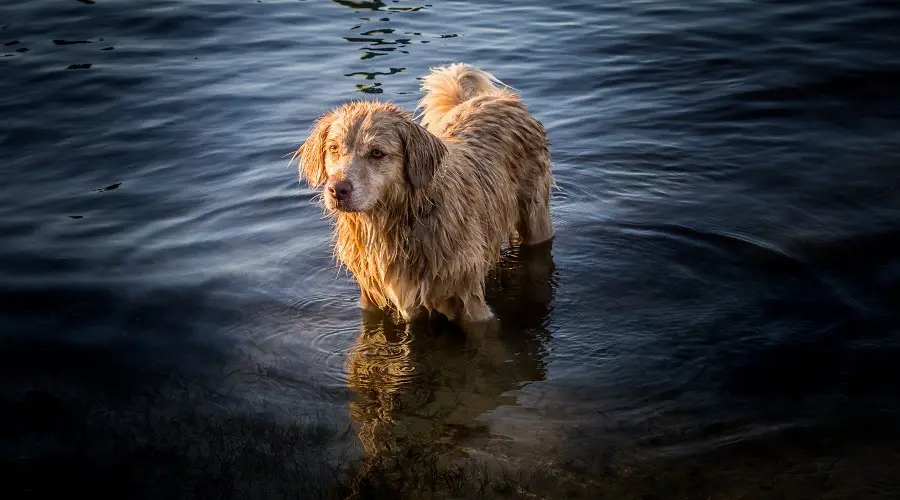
717 316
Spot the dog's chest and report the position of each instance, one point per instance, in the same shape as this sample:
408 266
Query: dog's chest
388 267
398 284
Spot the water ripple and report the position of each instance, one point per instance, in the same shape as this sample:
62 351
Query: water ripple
724 267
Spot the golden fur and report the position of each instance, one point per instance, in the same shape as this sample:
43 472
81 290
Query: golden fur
431 205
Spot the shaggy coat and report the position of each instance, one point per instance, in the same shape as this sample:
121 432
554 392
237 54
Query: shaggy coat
421 211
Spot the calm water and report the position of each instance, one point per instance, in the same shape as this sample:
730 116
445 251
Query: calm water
717 316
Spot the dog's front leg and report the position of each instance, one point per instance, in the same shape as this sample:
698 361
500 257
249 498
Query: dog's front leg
413 314
365 301
477 320
471 309
475 310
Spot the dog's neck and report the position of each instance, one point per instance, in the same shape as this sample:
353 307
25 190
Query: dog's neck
396 218
390 224
388 244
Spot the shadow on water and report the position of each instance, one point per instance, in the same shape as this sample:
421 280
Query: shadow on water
176 417
420 389
125 394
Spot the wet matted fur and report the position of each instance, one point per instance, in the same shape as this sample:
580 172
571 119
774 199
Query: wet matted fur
421 211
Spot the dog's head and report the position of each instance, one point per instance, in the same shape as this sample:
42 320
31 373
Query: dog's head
366 153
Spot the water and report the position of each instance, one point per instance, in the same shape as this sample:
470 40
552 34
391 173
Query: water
715 318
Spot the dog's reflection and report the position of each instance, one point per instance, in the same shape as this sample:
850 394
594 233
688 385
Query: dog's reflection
420 388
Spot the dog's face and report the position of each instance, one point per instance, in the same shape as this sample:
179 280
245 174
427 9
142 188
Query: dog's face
366 153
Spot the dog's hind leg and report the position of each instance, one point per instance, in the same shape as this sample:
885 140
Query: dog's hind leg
534 225
533 222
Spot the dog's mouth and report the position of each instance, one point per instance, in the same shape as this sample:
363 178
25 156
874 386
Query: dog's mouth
336 206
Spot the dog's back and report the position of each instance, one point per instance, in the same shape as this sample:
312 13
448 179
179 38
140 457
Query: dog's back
464 104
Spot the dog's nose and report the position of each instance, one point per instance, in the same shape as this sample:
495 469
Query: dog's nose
340 190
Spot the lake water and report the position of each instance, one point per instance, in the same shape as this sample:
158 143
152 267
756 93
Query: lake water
717 316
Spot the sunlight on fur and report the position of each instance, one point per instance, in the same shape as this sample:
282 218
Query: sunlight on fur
421 212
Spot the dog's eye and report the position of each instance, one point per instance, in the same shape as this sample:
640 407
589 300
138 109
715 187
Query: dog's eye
376 153
332 149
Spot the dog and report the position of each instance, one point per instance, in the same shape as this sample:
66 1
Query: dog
422 211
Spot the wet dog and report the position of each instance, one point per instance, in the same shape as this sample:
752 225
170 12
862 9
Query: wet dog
421 211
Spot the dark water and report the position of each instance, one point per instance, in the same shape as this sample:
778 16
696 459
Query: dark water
717 316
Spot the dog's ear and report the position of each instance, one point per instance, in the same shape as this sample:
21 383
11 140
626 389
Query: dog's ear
312 152
422 153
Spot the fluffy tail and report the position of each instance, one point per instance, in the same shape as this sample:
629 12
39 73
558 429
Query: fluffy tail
446 87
